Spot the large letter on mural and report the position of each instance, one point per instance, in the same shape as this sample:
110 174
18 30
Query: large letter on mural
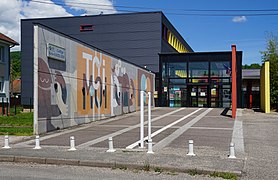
88 58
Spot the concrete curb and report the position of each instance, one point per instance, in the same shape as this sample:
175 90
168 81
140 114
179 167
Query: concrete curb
130 166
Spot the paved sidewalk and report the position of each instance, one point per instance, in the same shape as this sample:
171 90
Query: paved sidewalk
261 145
172 128
168 159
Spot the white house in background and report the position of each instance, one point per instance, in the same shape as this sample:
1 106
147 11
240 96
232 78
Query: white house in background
5 44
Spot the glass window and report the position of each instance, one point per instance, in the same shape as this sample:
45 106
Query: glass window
198 80
177 81
1 54
215 80
220 69
177 70
198 69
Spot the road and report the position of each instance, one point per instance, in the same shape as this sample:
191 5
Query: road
22 171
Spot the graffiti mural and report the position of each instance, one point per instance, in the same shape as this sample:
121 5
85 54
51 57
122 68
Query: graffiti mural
79 84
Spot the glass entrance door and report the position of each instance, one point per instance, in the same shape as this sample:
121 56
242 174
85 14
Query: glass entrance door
175 97
198 95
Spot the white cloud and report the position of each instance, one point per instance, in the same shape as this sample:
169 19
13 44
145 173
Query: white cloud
12 11
92 7
46 9
239 19
9 18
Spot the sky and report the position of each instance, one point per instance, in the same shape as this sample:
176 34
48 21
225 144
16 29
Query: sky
206 25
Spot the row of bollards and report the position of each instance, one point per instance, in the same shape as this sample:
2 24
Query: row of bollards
191 151
111 148
72 143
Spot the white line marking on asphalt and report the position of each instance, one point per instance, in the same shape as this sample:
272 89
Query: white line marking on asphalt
163 129
239 112
163 143
237 137
50 136
212 128
103 138
85 126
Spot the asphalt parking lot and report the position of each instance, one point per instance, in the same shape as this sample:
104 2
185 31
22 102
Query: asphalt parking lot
171 128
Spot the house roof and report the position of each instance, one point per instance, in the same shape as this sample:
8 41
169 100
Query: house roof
8 40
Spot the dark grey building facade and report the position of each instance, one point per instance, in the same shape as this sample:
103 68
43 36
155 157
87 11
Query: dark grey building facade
135 37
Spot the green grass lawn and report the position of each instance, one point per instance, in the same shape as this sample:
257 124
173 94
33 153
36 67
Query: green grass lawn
19 125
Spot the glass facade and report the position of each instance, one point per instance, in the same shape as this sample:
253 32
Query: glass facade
196 84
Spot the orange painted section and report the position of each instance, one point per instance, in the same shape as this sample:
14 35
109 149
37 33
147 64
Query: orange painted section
234 93
105 68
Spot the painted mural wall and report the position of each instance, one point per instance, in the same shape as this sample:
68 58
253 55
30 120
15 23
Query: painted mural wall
79 84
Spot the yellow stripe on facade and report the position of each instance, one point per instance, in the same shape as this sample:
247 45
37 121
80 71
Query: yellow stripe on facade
175 43
265 87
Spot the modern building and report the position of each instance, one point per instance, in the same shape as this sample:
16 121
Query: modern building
200 79
136 37
5 44
149 40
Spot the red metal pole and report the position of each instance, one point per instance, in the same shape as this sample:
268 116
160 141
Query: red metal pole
234 93
250 101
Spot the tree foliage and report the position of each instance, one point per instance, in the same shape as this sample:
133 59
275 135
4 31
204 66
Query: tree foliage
15 65
271 55
252 66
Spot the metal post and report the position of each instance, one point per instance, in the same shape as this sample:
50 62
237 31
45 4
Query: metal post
37 146
149 116
141 119
150 142
8 106
14 108
6 143
72 144
110 144
234 83
3 108
190 148
30 104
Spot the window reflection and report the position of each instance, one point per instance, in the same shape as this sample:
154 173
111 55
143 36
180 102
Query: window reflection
177 70
220 69
198 69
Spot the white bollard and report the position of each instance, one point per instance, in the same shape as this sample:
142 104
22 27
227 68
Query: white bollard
232 150
110 143
141 144
6 143
150 146
37 142
72 144
190 148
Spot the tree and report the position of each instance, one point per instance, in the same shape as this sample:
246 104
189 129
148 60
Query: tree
15 65
252 66
15 68
271 55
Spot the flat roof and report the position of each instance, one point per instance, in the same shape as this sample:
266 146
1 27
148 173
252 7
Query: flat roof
251 73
